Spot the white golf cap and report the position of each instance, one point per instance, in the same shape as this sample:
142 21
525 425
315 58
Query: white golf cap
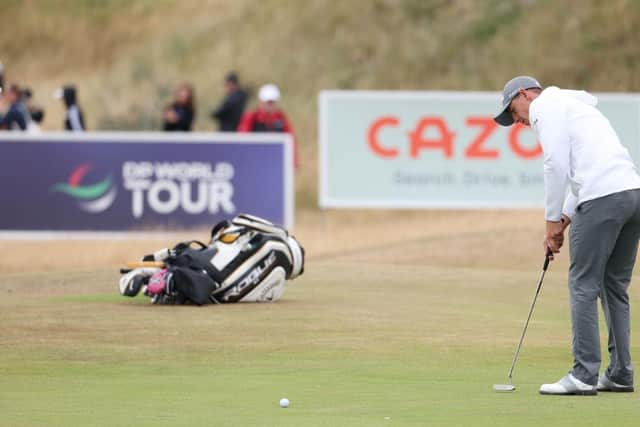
269 92
509 92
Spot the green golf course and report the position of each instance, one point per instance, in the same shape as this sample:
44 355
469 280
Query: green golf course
407 331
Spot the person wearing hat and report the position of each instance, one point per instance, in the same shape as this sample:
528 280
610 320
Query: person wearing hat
229 112
591 183
268 117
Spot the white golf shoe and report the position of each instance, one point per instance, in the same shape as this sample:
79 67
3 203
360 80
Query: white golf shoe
605 384
569 385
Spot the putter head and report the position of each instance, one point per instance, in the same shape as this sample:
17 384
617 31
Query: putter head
503 387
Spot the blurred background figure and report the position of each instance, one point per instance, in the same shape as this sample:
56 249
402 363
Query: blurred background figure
1 78
35 111
229 112
178 116
73 119
267 117
17 117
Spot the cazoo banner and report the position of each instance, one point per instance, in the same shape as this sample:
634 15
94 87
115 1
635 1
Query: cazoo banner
142 181
438 150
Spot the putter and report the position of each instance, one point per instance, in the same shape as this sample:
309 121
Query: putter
510 386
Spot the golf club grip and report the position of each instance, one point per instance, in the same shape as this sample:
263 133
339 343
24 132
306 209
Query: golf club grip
547 259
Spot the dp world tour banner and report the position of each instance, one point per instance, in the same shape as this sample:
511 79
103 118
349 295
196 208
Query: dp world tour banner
438 149
142 181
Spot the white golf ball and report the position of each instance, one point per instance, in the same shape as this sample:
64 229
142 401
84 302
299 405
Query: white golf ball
284 402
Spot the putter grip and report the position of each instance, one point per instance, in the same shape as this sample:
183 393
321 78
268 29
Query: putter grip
546 259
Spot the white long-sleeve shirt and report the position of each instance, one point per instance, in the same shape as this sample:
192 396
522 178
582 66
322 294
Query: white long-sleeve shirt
581 150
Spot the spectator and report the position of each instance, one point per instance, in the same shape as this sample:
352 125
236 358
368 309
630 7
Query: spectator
73 119
178 116
17 117
268 117
35 111
229 112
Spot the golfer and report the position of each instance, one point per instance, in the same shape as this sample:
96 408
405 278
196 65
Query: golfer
591 182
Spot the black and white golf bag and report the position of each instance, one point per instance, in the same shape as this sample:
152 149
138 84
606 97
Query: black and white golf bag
248 259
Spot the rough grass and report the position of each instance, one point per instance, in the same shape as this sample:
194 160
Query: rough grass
409 328
127 56
387 236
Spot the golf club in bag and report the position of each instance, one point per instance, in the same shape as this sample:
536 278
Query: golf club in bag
510 386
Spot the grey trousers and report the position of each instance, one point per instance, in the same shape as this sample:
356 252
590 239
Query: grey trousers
603 243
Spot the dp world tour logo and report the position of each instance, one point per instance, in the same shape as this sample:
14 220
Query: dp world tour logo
94 198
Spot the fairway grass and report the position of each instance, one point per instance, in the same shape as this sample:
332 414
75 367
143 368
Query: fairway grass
361 339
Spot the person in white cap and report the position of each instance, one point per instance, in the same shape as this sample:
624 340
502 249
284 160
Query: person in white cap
267 117
591 183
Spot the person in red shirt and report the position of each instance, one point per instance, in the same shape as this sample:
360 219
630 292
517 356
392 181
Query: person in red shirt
267 117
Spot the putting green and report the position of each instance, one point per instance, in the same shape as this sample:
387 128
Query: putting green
378 337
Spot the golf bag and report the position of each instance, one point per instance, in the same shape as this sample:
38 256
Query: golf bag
248 259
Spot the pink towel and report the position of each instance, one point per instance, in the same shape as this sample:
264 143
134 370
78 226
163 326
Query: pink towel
157 284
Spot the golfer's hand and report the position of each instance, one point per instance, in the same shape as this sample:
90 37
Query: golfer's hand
553 237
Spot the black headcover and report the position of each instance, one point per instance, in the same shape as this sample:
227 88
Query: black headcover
195 286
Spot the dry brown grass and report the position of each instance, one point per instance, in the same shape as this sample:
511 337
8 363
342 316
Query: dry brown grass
126 57
371 276
451 250
471 238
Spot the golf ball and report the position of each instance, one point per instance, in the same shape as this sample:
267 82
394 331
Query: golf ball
284 402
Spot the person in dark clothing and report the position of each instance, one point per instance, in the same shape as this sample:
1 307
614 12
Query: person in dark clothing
17 116
269 118
229 112
73 119
178 116
35 111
